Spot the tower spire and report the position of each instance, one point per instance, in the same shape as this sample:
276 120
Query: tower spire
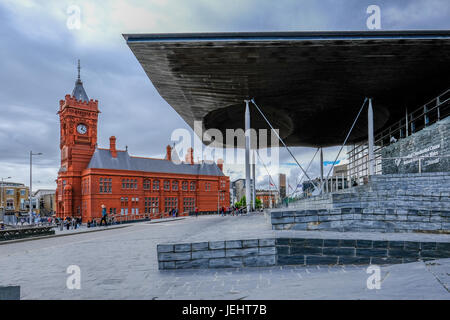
79 70
78 92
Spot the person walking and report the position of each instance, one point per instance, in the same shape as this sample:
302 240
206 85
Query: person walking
104 215
196 212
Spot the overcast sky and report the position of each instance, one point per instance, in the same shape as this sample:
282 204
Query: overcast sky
38 55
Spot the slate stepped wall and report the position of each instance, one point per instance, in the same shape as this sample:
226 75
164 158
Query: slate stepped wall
426 191
363 220
296 251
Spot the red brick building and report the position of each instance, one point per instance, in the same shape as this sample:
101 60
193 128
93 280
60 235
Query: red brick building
130 187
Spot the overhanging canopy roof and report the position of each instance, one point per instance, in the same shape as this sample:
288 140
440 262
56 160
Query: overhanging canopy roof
310 85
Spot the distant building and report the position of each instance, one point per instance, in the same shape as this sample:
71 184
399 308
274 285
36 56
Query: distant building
46 200
13 199
269 198
340 170
238 189
282 184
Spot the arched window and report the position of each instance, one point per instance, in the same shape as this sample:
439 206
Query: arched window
192 186
155 184
175 185
146 184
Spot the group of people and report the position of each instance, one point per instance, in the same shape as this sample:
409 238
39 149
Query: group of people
68 223
35 219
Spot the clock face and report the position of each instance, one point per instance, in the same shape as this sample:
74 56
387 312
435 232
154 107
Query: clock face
81 128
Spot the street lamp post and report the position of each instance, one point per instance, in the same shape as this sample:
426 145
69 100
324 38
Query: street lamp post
30 213
1 195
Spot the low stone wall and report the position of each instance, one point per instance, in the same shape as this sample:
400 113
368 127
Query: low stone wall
296 251
217 254
25 232
293 251
357 219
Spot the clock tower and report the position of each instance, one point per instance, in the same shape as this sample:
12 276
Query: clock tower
78 118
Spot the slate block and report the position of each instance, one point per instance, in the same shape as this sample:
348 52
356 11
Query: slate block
321 260
283 250
241 252
364 243
206 254
259 261
282 241
233 244
249 243
267 251
347 243
402 253
313 243
371 252
173 256
226 263
266 242
184 247
381 244
306 250
200 246
339 251
353 260
164 248
217 245
290 259
330 243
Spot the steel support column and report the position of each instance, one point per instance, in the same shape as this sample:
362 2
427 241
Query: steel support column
254 181
247 157
371 138
321 168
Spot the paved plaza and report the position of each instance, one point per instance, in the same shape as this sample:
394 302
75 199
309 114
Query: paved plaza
121 263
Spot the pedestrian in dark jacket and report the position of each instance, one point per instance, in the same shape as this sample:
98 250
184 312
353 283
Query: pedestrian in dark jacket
104 215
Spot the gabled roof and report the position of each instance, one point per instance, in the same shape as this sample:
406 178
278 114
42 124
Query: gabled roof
102 159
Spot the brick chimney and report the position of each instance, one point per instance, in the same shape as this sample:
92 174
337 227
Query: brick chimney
190 156
220 164
169 153
112 146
